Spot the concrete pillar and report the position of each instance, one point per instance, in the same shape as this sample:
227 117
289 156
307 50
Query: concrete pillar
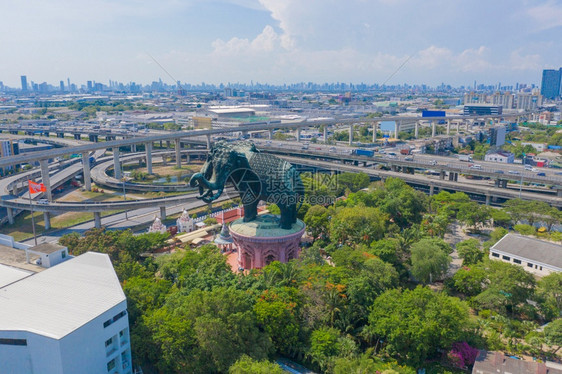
375 125
416 129
442 174
208 141
10 215
467 125
448 127
45 178
47 219
433 128
133 148
167 144
325 134
488 199
178 153
431 189
116 165
86 166
162 213
396 129
559 192
350 134
504 183
458 126
148 148
270 134
160 144
97 220
298 134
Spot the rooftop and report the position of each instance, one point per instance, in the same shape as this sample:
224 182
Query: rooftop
16 258
47 248
531 248
498 363
59 300
266 225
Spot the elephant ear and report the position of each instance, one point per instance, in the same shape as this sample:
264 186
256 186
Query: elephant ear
241 160
254 149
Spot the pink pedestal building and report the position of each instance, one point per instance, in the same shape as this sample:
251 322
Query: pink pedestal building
262 241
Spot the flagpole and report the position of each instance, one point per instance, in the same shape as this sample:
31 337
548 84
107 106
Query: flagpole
32 217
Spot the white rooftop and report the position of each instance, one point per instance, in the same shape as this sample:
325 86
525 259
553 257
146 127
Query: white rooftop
61 299
9 274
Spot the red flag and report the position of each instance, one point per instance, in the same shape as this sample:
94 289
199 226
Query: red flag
36 187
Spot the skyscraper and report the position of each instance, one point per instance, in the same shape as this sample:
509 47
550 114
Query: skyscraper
24 83
550 87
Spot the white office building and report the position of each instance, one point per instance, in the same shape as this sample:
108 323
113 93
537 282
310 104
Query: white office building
69 318
536 256
500 156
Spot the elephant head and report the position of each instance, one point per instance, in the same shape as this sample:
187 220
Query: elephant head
223 158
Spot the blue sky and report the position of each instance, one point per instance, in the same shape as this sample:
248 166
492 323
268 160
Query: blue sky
280 41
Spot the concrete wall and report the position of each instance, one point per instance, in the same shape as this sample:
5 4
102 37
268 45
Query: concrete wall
82 351
532 266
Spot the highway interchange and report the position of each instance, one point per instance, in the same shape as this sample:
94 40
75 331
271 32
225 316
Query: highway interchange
328 157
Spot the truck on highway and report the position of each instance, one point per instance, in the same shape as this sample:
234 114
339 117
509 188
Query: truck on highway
364 152
466 158
405 151
92 161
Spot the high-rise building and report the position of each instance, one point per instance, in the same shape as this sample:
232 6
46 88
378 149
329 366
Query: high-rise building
24 83
61 86
550 87
528 101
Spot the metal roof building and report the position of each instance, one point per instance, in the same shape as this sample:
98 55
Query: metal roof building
536 256
65 319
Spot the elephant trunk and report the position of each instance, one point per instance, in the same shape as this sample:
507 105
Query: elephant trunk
207 187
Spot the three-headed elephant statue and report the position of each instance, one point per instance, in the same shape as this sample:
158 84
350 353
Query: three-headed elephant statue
255 175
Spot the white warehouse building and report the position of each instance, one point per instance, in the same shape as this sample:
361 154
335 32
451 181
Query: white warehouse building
69 318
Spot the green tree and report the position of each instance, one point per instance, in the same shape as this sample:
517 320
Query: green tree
317 220
430 259
553 334
207 331
470 251
247 365
470 280
277 314
323 346
507 287
415 324
473 214
549 291
358 225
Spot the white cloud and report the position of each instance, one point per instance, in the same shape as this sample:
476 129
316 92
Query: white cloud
517 61
267 41
547 15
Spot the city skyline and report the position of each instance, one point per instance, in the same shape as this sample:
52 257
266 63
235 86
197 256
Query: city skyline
385 41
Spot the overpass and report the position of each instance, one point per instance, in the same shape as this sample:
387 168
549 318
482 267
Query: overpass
433 185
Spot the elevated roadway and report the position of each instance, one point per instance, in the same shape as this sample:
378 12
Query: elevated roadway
434 185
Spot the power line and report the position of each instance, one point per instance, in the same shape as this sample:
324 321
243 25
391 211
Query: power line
398 69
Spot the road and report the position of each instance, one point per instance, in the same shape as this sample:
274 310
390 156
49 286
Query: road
119 222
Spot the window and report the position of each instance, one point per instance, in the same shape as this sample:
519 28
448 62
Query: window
115 318
540 268
63 254
529 265
111 365
516 261
108 342
4 341
494 254
504 257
